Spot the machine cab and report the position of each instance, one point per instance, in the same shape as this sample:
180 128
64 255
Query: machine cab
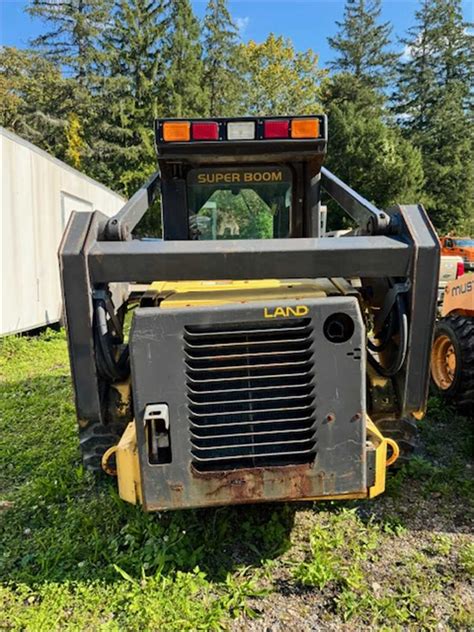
241 179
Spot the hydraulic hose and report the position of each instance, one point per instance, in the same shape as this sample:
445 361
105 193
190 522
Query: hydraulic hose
386 336
401 352
109 367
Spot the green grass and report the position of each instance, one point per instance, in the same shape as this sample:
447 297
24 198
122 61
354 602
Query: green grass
74 556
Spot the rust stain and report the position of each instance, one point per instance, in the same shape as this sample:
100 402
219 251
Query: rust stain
176 487
284 482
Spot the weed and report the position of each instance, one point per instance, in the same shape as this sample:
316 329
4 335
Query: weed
393 525
440 545
462 617
337 546
466 559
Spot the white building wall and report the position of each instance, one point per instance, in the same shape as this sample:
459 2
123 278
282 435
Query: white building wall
38 193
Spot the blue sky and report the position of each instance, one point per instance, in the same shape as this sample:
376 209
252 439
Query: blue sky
307 22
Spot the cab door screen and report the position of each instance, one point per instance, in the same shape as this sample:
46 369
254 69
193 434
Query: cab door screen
239 203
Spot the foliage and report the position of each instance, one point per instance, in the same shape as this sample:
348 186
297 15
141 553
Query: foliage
361 44
72 40
367 153
278 79
222 73
434 95
328 560
183 94
75 144
106 68
132 75
36 101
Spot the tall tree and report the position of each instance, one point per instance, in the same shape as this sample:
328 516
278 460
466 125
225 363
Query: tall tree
222 74
36 101
434 104
132 70
362 44
184 94
280 80
75 29
366 152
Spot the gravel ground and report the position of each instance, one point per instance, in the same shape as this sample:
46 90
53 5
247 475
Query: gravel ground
424 561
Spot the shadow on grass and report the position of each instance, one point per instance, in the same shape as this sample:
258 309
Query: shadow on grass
65 524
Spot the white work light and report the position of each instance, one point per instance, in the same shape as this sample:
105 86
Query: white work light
241 130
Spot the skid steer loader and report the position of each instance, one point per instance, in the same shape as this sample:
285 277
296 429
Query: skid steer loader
264 361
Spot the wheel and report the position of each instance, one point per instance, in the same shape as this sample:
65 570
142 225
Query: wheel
95 437
95 440
452 361
405 432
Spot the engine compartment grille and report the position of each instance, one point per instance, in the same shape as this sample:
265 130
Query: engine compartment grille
251 394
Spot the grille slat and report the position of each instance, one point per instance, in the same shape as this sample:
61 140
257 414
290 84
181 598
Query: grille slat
251 394
207 392
290 422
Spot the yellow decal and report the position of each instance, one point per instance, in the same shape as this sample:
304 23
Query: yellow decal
286 312
232 177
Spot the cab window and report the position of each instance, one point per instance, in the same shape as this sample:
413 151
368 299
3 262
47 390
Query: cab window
239 203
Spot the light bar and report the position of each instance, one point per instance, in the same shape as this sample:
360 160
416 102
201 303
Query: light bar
241 130
278 128
205 130
304 128
176 131
310 128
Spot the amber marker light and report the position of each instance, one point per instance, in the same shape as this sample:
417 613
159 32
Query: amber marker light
305 128
176 131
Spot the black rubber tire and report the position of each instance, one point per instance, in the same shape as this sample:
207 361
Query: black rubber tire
460 330
95 439
405 432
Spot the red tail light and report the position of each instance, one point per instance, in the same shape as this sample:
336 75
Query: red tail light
276 129
459 269
205 131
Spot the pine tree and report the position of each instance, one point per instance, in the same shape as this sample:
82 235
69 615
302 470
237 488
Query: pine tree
73 39
362 44
435 109
416 83
132 69
365 151
222 72
183 94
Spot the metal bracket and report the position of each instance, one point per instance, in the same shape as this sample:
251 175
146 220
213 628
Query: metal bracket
370 219
157 411
159 437
120 226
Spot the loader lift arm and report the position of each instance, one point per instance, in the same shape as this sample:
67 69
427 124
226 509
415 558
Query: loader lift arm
368 217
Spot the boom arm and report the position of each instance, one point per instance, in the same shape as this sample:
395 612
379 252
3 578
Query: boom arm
369 218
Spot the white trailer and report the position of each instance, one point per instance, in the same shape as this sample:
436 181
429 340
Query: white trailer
38 193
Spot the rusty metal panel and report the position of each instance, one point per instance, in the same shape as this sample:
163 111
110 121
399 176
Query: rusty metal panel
165 360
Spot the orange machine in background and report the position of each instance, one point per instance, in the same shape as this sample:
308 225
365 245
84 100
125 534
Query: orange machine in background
460 246
452 357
